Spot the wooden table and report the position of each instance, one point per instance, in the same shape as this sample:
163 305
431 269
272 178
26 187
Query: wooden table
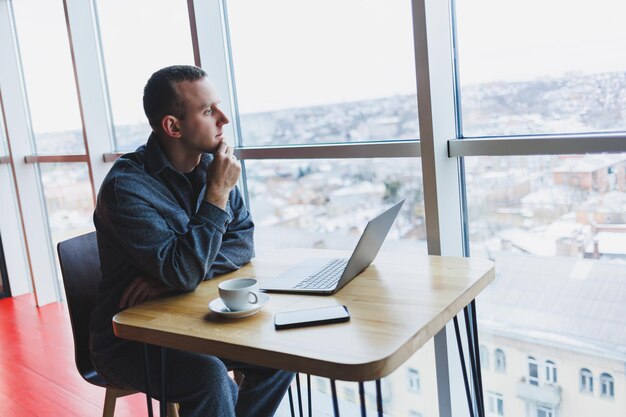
396 306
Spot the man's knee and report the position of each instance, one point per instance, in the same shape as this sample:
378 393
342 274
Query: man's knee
203 375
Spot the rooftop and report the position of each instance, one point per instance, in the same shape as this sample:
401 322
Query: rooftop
565 300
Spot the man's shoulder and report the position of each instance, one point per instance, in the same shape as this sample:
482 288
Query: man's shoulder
127 173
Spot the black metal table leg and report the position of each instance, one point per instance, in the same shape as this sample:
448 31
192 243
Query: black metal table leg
476 348
146 375
308 393
474 355
147 379
163 402
293 413
333 390
299 394
463 367
379 399
362 399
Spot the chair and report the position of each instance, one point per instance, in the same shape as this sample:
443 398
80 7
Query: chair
80 266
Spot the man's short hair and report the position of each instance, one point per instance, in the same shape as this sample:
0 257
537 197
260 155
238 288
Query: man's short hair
160 97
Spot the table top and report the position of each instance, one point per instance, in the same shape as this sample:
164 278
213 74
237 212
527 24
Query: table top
396 306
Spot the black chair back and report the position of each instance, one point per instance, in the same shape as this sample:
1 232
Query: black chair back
80 266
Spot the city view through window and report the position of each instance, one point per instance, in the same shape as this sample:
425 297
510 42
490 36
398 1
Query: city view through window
552 324
555 225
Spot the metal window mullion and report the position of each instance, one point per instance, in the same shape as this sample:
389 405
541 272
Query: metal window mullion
91 86
30 200
392 149
539 145
437 120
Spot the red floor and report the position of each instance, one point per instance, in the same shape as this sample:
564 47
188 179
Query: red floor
37 372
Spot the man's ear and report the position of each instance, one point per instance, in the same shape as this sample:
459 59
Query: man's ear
171 126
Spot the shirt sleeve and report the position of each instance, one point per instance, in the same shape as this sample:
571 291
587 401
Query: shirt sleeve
237 248
181 260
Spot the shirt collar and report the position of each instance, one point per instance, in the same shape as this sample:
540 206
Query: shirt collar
156 160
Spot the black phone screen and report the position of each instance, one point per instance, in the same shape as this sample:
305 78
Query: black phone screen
311 317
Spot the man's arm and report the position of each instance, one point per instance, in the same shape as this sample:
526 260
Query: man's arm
147 230
142 289
147 236
237 247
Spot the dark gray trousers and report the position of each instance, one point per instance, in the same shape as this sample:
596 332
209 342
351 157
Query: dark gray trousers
199 383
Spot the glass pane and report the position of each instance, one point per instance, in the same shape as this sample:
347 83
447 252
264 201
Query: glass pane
541 67
69 200
303 76
399 399
49 76
327 203
138 38
556 228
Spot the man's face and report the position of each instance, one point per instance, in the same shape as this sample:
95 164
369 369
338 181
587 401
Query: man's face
201 129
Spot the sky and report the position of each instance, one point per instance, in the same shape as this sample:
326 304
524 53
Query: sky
293 53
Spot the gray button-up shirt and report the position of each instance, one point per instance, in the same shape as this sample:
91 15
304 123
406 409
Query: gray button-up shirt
150 221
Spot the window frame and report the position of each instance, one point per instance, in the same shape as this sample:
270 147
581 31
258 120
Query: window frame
548 411
495 404
551 372
607 386
414 383
585 381
484 357
499 360
533 371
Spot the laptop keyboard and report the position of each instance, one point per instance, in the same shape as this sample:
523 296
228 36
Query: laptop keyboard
327 277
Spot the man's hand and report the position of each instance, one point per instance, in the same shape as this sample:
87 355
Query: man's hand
222 175
140 290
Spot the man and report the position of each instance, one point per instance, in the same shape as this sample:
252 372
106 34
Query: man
168 216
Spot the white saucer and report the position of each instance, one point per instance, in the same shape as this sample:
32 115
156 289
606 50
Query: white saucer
217 306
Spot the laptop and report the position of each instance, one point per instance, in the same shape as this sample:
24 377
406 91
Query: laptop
327 276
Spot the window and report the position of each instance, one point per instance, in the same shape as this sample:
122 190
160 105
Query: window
349 394
326 203
495 404
49 77
537 218
321 385
323 83
606 386
561 77
543 411
133 47
533 371
484 357
413 379
500 360
69 200
551 372
586 380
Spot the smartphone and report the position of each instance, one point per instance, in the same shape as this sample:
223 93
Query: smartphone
311 317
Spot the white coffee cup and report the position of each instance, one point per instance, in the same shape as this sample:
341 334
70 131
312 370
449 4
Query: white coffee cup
239 293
